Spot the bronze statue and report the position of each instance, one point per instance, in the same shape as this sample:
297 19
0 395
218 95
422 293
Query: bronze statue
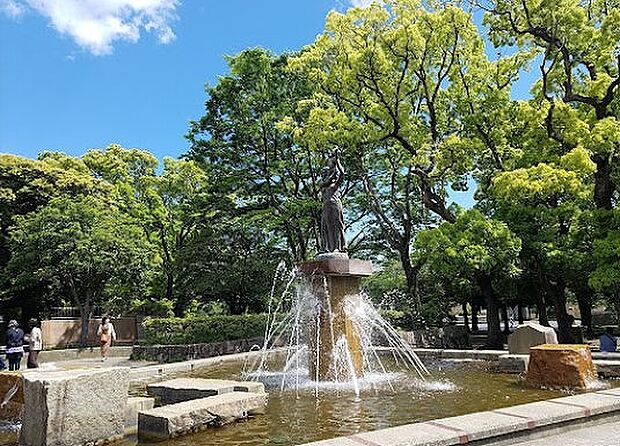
332 221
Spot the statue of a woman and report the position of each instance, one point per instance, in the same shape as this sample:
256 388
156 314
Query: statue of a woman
332 221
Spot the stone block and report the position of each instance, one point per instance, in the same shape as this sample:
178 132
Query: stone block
608 369
185 389
135 405
75 407
178 419
513 363
336 266
561 366
530 335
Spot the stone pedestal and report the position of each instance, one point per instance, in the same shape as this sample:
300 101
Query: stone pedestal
335 281
561 366
530 335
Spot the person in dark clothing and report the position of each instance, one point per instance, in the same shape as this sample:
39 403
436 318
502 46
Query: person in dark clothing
608 341
14 345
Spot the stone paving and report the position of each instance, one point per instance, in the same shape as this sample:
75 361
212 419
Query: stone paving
601 435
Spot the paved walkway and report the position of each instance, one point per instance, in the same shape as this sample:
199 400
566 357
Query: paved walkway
113 361
607 434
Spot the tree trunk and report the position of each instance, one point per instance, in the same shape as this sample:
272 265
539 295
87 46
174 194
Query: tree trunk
604 187
86 312
411 276
169 285
465 317
520 313
474 317
494 334
541 306
565 320
506 321
584 300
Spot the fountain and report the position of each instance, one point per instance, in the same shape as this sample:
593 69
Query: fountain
331 333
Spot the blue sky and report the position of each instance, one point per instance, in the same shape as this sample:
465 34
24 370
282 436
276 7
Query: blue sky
81 74
69 86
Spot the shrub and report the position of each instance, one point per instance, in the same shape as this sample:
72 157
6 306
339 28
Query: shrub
199 330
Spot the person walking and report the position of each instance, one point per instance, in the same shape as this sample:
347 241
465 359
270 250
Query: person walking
14 345
106 335
35 343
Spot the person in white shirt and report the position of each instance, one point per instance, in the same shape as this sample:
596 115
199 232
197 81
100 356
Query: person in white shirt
106 335
35 343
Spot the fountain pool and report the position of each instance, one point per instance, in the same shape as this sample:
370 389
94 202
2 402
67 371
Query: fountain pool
295 415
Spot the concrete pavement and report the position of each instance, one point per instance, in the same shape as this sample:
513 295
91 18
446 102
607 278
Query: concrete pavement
604 434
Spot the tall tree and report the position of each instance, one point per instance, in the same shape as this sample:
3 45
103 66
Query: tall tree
580 74
478 249
81 248
170 206
547 206
392 73
249 157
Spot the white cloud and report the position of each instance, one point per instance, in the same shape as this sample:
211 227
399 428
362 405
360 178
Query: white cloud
12 8
97 24
362 3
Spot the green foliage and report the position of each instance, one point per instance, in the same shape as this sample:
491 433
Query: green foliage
473 245
151 307
198 330
386 287
250 158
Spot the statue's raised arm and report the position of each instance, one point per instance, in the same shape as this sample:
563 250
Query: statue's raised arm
332 220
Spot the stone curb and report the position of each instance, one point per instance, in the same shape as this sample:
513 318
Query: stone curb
482 355
159 371
501 423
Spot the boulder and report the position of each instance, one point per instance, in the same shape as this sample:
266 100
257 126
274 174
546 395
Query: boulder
74 408
561 366
178 419
530 335
184 389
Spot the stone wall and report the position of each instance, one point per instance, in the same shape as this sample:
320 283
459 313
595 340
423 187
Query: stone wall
175 353
66 332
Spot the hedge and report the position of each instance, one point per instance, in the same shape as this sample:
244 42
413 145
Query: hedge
200 330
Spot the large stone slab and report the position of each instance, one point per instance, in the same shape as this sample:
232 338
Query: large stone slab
560 366
74 408
530 335
184 389
179 419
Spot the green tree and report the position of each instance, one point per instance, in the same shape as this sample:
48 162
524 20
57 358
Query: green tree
580 74
83 248
548 205
392 74
170 206
248 157
26 185
473 248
